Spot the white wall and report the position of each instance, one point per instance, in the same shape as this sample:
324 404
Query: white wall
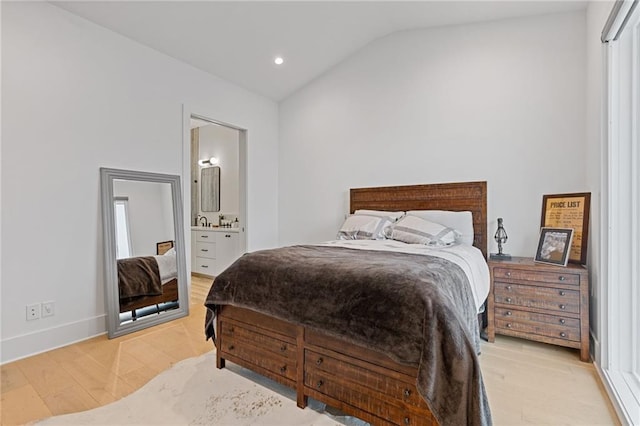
223 143
502 101
150 211
77 97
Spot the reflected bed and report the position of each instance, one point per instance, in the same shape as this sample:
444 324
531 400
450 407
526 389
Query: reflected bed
148 280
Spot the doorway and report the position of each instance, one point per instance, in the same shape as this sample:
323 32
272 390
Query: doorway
213 146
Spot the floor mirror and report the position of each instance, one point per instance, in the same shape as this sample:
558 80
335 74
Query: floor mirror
144 249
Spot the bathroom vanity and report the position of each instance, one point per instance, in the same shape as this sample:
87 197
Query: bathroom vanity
213 249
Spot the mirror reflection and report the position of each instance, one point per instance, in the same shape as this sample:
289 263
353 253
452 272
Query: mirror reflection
147 270
144 249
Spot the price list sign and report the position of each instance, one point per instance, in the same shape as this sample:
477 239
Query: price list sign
569 211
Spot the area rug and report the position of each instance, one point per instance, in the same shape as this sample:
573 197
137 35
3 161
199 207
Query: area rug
195 392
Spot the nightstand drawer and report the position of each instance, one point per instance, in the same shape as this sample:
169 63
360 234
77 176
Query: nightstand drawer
540 324
528 275
530 296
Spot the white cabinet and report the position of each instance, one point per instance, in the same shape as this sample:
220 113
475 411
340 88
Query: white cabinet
227 249
213 250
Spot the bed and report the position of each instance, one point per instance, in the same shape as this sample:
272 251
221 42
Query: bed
148 280
339 365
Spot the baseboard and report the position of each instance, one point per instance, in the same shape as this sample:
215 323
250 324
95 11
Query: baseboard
595 347
18 347
616 399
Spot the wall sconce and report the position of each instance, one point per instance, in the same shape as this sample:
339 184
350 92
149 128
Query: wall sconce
208 162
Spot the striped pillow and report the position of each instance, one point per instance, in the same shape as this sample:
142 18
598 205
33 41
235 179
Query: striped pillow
414 230
364 227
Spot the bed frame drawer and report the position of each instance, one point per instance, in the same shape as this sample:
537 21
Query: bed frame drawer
239 334
361 397
238 344
317 363
264 324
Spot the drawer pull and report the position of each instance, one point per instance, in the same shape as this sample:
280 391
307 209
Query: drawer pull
563 307
561 278
563 334
319 361
227 236
203 266
319 384
204 250
562 293
508 325
407 421
509 313
508 300
508 287
231 347
407 393
283 369
283 348
508 274
562 321
204 236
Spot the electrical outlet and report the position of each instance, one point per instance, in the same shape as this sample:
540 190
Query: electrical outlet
33 312
48 309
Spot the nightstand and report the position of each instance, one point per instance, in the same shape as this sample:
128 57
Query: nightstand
541 302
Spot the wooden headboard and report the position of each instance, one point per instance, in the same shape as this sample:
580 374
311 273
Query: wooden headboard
463 196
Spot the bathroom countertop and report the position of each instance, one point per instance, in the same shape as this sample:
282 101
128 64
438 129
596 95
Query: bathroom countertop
214 229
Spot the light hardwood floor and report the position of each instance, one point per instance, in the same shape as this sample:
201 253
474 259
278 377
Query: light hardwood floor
527 383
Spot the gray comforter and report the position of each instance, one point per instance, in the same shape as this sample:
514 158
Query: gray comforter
417 309
138 276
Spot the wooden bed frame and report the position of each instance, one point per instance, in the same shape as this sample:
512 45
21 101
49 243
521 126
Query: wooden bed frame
360 382
169 294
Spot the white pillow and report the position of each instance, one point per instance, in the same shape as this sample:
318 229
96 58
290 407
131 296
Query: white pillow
363 227
462 222
394 216
413 230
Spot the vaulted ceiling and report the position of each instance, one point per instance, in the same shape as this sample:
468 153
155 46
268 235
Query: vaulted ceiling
238 40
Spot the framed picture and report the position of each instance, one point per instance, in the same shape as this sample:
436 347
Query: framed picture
163 247
554 246
569 211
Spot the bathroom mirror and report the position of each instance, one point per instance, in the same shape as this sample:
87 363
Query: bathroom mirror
210 189
144 250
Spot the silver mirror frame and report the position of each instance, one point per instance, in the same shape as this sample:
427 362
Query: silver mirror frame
114 327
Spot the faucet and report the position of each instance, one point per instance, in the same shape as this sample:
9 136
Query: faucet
206 223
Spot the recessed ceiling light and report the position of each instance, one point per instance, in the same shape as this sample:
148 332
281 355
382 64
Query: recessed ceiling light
278 60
